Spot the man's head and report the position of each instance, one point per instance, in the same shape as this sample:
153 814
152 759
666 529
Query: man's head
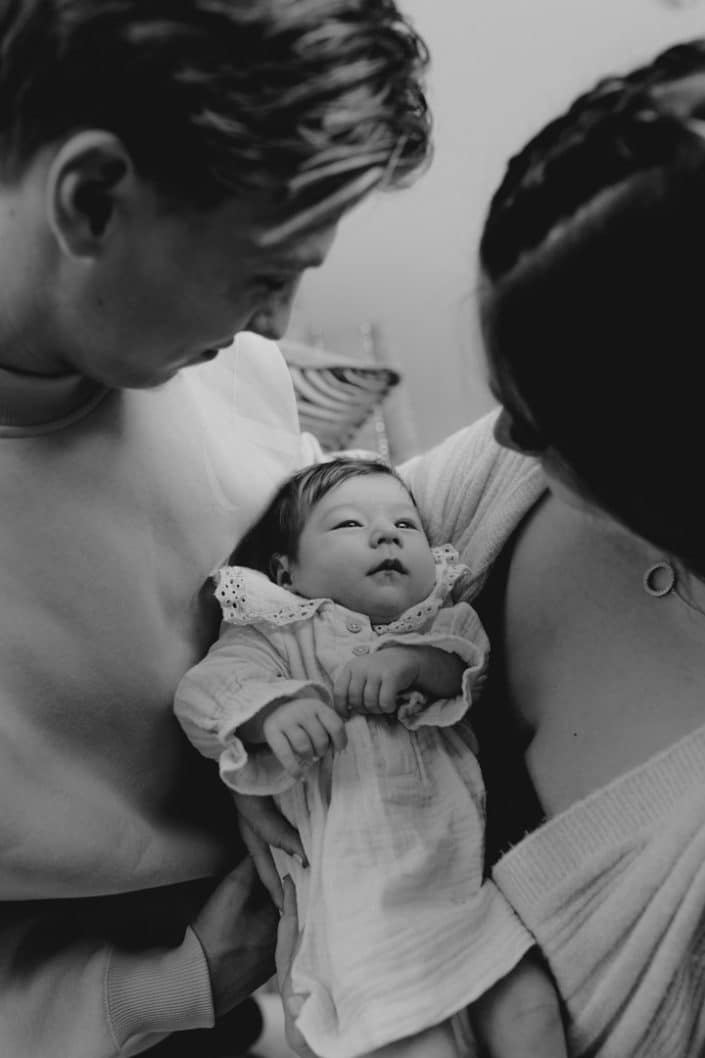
143 129
215 97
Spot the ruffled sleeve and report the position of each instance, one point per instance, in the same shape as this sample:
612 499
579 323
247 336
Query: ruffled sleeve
242 674
458 630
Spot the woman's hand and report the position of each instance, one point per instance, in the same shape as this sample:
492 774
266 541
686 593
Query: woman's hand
263 825
287 943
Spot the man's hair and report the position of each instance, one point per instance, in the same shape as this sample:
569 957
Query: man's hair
213 97
279 529
593 257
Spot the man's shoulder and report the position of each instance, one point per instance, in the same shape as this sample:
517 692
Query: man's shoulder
252 375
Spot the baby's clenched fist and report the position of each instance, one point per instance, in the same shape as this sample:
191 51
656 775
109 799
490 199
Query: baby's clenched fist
302 731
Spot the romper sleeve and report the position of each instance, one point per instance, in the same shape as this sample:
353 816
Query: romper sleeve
242 674
457 630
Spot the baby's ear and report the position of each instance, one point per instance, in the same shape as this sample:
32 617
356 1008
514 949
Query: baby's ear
279 570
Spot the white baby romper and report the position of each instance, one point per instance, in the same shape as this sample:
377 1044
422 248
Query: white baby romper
399 928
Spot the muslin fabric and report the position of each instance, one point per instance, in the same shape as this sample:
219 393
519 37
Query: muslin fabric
399 928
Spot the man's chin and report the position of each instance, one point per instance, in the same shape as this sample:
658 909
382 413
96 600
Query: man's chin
138 379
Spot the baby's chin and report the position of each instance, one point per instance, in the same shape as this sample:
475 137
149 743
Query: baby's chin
386 614
381 613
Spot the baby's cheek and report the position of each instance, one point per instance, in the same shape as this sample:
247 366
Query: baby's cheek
428 579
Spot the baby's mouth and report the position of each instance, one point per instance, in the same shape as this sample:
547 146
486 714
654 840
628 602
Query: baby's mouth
388 565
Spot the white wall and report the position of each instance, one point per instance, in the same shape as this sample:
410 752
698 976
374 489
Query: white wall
501 68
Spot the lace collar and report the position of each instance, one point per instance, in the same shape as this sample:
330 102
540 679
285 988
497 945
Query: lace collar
247 597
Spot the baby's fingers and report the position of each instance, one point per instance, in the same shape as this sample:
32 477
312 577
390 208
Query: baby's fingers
387 695
286 754
335 732
362 697
301 740
370 695
318 732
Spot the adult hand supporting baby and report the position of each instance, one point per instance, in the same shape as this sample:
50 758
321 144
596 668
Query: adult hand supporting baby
261 826
287 943
237 930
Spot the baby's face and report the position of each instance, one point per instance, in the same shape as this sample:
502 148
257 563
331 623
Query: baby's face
364 547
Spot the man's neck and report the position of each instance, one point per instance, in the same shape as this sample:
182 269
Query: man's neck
30 401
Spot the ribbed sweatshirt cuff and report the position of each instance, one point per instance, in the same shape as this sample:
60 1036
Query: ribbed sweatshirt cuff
158 992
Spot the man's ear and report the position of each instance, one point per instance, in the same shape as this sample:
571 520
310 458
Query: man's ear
89 176
280 570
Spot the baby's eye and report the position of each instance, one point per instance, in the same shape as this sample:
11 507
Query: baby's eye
406 523
347 524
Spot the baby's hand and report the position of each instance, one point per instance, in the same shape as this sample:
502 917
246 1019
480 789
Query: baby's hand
371 683
300 732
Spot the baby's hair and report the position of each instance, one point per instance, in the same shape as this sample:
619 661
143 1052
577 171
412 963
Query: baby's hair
213 97
279 529
591 299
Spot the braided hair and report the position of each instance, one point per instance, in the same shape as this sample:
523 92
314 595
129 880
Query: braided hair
592 297
621 128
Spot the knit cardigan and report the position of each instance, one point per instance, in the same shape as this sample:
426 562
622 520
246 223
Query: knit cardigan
613 888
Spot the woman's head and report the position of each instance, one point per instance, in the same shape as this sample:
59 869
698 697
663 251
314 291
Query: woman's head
592 301
347 530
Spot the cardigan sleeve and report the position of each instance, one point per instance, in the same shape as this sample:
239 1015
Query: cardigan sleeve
242 674
472 493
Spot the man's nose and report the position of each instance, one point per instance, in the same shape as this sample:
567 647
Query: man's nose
272 321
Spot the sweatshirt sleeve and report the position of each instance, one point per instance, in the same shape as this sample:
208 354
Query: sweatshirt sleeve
128 1001
457 630
242 674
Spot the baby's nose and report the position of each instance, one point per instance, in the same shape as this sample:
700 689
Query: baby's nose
385 533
